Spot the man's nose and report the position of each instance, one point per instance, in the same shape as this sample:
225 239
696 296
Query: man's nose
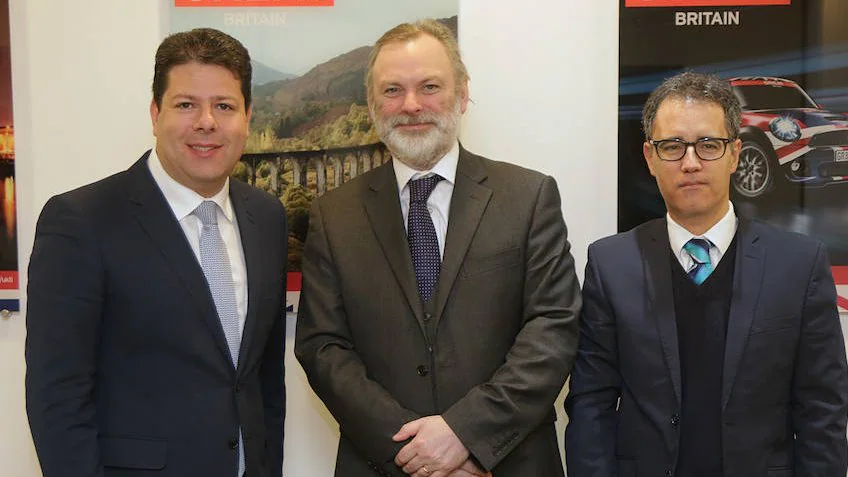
411 104
205 119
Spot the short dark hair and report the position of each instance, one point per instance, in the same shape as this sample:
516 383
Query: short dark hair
205 46
697 87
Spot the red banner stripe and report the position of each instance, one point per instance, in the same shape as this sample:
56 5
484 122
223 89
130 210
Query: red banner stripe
253 3
703 3
840 275
8 279
294 281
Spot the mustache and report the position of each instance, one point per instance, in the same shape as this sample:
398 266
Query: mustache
421 118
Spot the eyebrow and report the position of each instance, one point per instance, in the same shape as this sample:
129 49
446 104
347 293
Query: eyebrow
429 79
196 98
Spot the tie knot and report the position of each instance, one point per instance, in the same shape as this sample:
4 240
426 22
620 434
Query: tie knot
699 249
207 212
420 189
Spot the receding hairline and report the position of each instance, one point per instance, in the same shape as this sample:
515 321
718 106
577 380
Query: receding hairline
402 43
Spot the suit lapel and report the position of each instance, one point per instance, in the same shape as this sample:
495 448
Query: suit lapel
382 204
653 241
747 282
468 202
156 218
249 234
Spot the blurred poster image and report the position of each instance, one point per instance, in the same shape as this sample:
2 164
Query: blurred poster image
787 62
310 131
8 226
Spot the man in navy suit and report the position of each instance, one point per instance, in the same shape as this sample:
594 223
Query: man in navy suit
710 345
155 326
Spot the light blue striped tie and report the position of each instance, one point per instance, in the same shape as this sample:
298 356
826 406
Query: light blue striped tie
699 250
215 262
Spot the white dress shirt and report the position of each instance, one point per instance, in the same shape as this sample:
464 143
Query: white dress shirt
720 235
183 201
439 201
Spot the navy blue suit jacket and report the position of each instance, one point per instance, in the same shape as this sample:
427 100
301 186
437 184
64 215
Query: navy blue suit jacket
785 380
128 371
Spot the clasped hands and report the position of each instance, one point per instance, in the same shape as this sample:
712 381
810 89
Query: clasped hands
434 450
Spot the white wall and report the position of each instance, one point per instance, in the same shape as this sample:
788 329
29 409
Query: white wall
81 76
544 85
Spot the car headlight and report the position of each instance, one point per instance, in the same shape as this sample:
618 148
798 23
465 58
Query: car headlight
785 129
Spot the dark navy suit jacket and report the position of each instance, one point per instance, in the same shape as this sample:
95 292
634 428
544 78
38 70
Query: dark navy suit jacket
128 371
785 381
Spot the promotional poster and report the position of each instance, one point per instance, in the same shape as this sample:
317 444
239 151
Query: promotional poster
310 131
787 62
8 227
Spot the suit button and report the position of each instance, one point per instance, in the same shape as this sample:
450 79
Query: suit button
427 317
675 420
668 473
233 443
238 388
422 370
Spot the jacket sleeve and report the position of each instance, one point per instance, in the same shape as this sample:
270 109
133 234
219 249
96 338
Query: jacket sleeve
65 303
595 385
272 370
366 412
819 395
495 417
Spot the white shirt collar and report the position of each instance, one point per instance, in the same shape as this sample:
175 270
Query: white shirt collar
183 200
720 234
446 167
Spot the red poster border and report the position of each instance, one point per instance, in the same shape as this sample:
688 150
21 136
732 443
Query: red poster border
702 3
840 276
254 3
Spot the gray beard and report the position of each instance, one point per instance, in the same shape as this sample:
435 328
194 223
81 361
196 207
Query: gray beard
420 151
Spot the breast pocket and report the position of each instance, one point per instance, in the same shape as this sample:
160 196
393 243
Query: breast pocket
489 263
774 324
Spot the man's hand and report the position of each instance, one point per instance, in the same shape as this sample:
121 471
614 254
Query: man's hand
469 469
434 450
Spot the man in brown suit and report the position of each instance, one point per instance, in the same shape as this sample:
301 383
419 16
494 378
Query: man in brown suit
439 326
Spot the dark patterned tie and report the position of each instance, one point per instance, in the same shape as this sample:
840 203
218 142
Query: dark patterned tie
421 234
699 250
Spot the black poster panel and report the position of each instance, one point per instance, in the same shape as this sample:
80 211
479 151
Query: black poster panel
788 64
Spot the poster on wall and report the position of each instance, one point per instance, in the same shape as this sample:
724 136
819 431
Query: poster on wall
8 227
310 131
787 62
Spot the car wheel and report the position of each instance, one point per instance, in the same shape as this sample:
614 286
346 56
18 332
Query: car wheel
756 171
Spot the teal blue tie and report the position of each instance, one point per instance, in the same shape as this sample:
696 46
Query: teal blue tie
699 250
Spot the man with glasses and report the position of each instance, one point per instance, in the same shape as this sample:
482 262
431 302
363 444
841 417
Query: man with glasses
710 344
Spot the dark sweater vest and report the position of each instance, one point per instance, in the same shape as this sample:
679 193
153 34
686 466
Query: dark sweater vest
702 314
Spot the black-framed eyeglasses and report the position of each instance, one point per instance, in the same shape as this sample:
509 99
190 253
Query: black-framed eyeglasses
706 148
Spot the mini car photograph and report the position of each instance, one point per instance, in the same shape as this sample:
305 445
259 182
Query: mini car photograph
788 140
